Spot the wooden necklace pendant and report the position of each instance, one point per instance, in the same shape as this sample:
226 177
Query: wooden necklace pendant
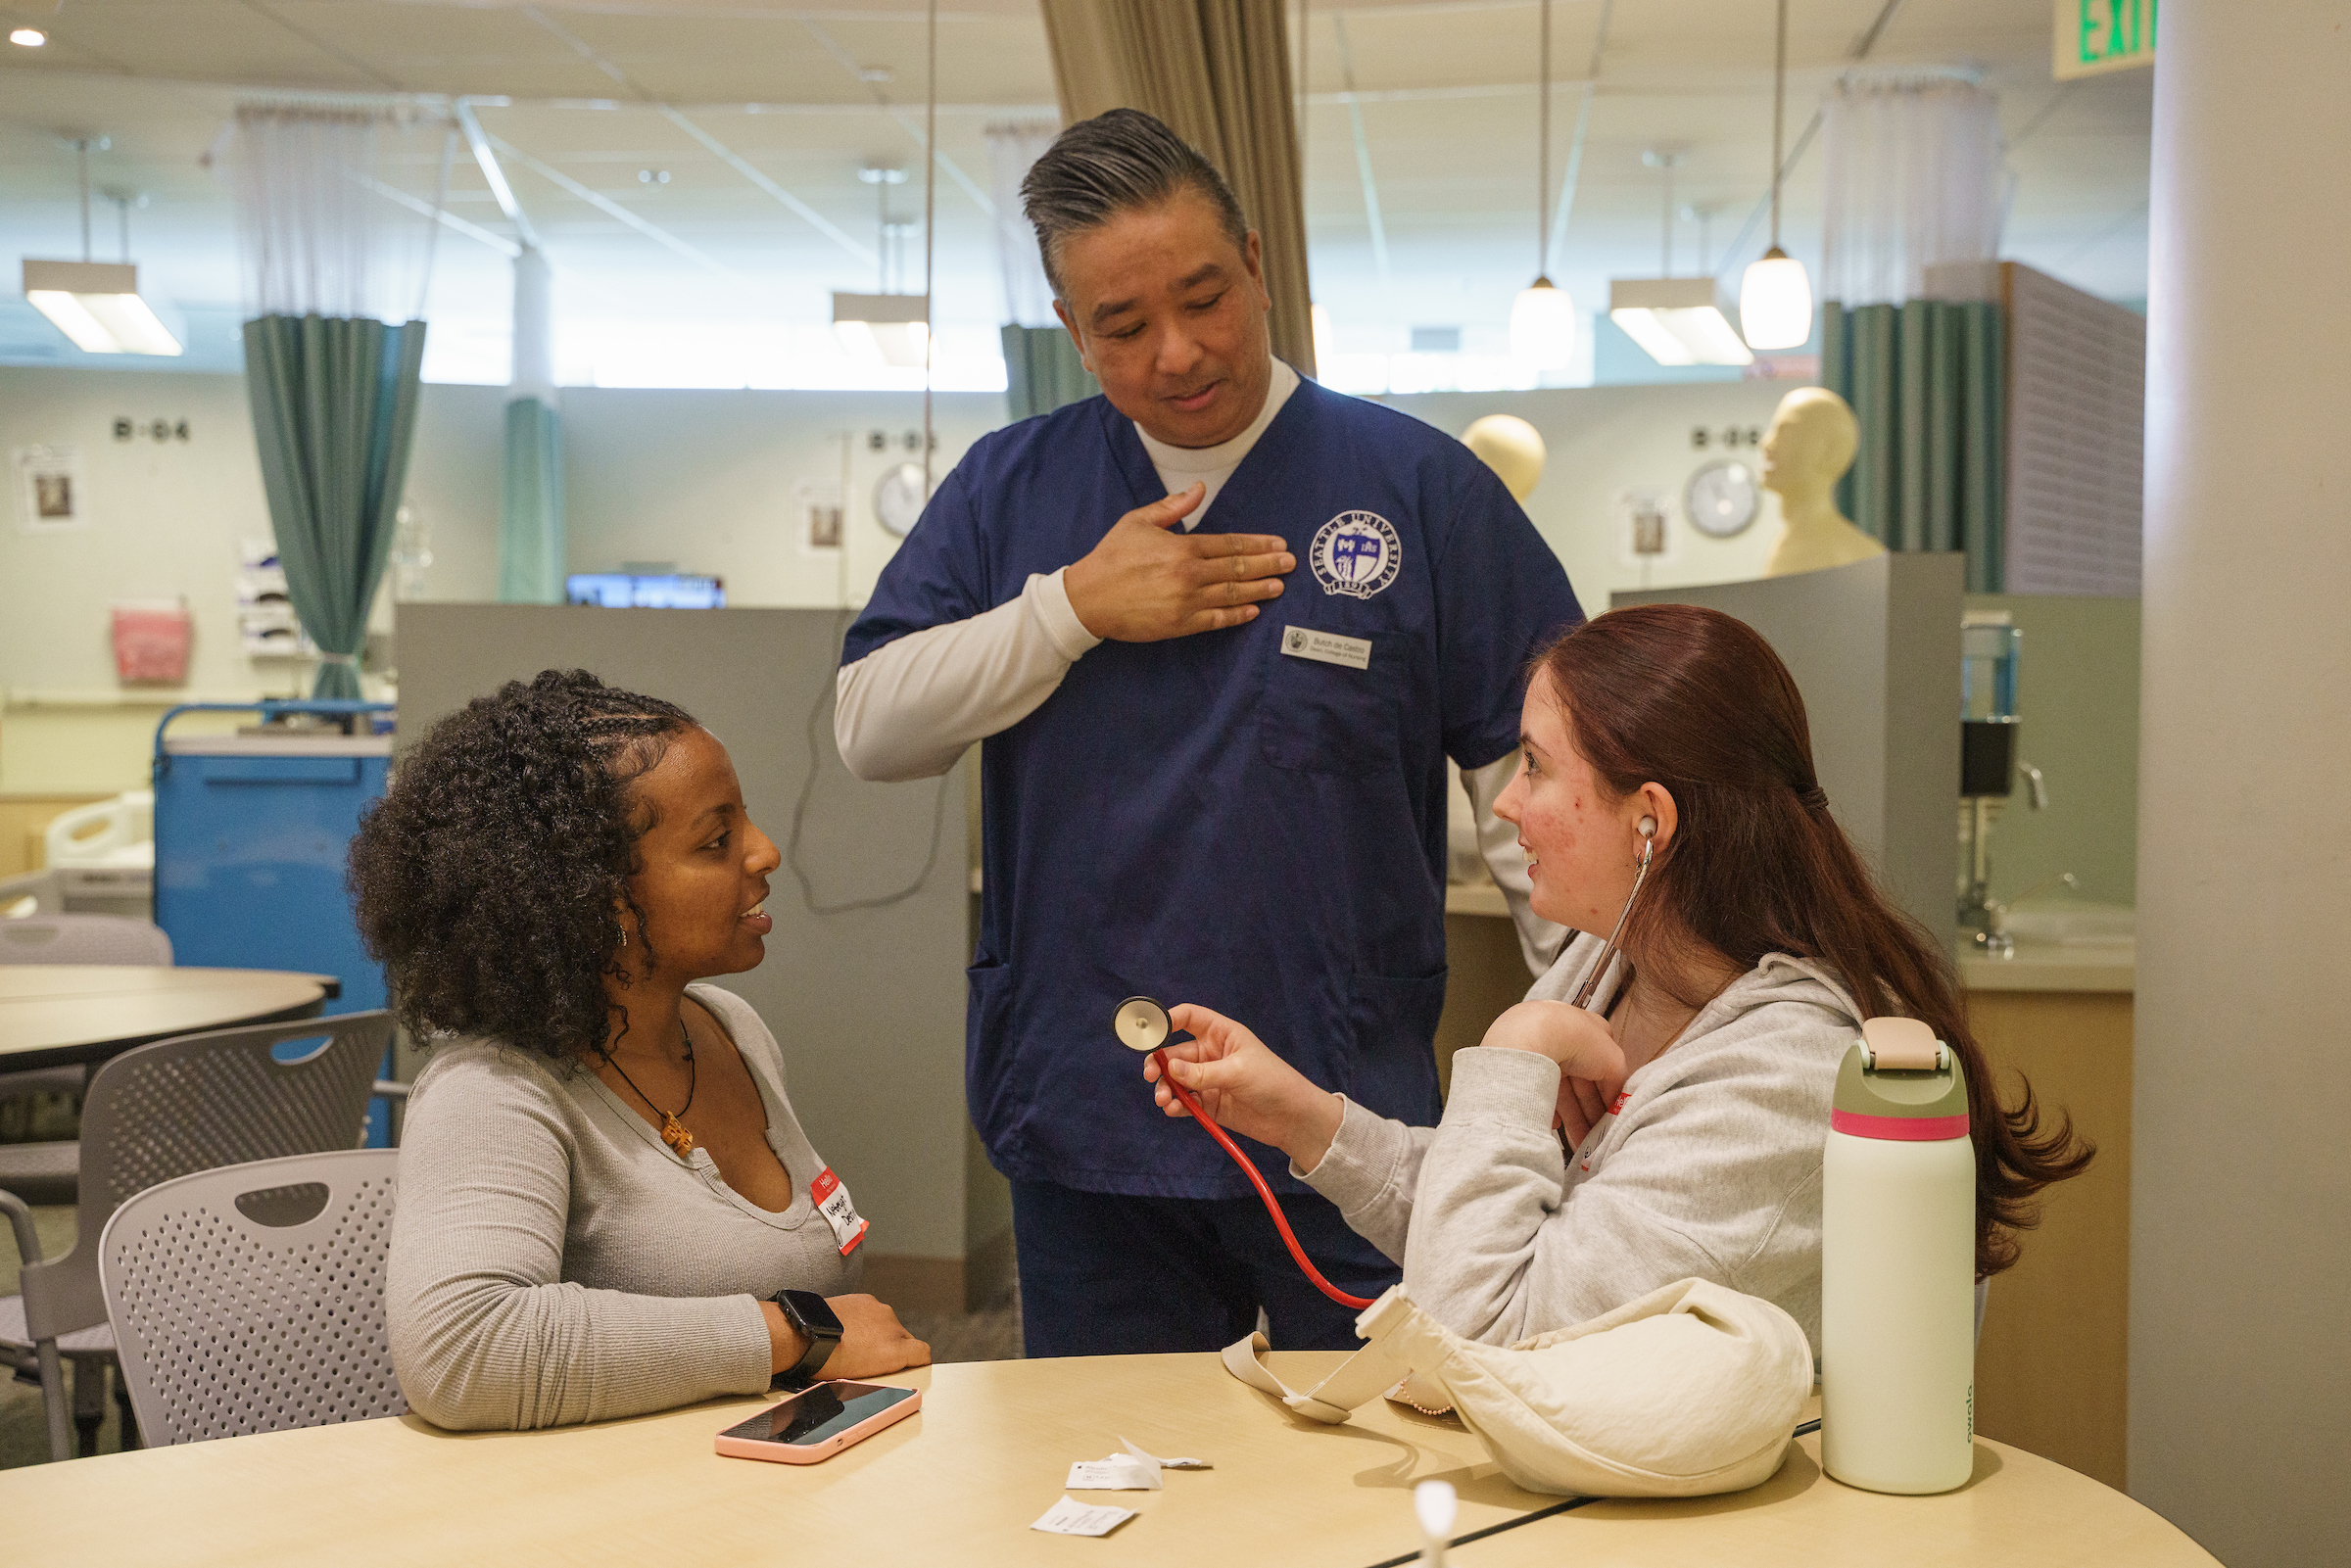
673 1131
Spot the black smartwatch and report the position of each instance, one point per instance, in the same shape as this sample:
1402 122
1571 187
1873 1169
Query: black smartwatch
813 1317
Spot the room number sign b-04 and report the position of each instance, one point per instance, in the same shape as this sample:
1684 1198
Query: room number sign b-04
157 430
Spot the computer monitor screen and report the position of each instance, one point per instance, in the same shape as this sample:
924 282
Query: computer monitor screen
626 590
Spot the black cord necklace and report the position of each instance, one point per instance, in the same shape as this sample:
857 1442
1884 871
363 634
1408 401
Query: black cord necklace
673 1131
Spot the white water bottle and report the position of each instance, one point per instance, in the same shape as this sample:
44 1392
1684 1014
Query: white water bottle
1898 1352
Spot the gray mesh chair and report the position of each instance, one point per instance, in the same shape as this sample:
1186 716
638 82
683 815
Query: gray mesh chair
44 890
44 1172
154 1113
251 1298
83 939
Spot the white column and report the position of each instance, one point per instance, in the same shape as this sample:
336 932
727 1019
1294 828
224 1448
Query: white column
2241 1225
533 329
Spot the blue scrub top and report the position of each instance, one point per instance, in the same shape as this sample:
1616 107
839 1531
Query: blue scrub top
1209 819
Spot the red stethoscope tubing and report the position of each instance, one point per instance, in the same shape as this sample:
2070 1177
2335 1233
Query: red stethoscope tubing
1249 1168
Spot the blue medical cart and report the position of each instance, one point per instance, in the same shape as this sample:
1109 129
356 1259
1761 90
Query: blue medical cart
251 832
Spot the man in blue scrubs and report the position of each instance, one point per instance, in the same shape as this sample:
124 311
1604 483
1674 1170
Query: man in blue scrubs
1219 629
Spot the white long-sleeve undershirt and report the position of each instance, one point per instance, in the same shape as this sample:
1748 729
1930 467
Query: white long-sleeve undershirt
911 707
908 709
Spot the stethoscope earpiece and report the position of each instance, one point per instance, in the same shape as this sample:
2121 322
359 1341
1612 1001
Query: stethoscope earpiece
1647 826
1141 1025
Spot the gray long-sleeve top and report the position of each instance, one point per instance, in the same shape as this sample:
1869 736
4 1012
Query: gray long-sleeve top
553 1261
1709 1165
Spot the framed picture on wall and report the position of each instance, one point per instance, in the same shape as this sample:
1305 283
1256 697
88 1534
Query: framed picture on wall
1645 533
818 520
50 495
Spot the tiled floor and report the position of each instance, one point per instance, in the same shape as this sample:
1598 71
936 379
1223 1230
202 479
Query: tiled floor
989 1335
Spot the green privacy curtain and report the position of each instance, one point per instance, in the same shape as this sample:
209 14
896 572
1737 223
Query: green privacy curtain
1926 381
334 406
1042 372
530 513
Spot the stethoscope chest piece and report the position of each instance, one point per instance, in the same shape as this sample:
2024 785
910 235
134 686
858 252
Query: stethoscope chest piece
1141 1025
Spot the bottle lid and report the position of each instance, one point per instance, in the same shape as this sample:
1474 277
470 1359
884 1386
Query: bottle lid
1922 1100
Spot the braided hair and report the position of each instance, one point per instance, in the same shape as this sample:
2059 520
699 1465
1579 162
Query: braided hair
491 878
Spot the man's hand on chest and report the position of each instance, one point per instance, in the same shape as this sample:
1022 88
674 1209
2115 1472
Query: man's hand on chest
1147 580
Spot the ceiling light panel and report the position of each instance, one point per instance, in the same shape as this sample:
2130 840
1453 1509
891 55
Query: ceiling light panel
1678 321
97 304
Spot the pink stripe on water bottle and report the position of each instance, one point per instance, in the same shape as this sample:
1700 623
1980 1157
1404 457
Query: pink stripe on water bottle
1901 1129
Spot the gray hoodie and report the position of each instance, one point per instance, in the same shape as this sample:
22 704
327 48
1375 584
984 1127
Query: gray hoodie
1708 1166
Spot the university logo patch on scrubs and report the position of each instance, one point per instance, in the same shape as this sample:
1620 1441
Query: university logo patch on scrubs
1356 554
832 1201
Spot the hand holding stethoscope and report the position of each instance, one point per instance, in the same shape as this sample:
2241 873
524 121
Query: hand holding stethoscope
1245 1085
1237 1057
1242 1084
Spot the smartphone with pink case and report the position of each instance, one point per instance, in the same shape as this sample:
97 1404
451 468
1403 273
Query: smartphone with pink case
818 1422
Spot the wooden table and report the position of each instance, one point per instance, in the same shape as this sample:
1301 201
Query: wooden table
60 1012
960 1481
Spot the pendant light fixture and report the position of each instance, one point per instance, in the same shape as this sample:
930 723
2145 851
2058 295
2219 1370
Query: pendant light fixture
1543 319
97 303
1775 297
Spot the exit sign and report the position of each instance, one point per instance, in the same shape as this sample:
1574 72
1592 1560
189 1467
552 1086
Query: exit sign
2095 36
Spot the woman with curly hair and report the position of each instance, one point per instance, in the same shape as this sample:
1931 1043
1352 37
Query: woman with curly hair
1674 1126
607 1205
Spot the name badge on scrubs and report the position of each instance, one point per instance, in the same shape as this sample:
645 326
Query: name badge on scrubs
1327 647
832 1201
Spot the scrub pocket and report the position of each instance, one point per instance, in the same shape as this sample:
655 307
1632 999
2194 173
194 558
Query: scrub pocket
1327 718
991 1079
1393 1019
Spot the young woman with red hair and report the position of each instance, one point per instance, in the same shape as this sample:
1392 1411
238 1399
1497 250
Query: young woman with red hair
1673 1129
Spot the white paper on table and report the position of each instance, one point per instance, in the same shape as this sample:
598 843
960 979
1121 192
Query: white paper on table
1168 1464
1121 1472
1069 1517
1135 1470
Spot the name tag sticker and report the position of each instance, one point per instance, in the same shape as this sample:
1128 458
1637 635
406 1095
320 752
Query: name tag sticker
1327 647
832 1201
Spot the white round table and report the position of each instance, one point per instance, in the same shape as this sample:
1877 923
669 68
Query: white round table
52 1014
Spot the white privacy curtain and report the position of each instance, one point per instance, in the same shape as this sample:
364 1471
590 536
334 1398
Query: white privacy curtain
1011 150
335 208
1914 180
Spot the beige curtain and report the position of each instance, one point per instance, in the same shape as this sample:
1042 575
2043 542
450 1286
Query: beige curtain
1217 71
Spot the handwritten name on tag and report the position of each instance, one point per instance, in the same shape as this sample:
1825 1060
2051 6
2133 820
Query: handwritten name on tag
1326 647
832 1201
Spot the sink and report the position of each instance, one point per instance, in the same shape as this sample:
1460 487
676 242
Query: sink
2073 924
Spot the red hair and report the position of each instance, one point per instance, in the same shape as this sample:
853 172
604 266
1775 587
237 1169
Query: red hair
1697 701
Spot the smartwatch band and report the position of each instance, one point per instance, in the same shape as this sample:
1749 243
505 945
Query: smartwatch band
821 1338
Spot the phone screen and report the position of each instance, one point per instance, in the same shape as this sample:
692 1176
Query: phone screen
819 1414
